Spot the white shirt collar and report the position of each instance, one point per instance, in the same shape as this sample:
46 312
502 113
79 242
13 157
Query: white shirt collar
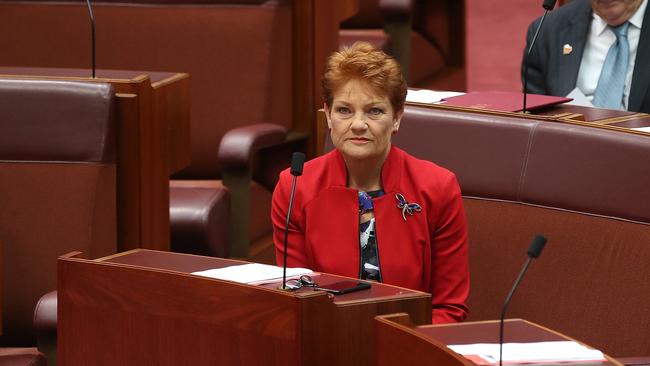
636 20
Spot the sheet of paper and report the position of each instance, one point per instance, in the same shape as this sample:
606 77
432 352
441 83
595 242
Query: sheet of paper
643 129
429 96
579 98
251 273
536 352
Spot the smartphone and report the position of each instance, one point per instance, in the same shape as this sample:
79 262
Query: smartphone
343 287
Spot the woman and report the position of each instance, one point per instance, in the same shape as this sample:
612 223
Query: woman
368 209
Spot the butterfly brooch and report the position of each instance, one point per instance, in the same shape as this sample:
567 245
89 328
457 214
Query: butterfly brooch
407 208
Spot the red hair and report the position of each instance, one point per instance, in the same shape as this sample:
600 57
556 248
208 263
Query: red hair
364 62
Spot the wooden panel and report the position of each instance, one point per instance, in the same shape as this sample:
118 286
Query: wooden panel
128 178
398 343
171 103
143 307
153 141
402 342
315 37
1 282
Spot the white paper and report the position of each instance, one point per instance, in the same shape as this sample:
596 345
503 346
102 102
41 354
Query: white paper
579 98
429 96
536 352
251 273
642 129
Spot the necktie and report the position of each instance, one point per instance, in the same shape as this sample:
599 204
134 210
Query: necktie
611 83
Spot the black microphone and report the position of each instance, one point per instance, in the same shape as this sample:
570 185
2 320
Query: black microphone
297 162
548 5
92 33
534 251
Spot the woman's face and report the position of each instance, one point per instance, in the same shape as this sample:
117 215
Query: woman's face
361 121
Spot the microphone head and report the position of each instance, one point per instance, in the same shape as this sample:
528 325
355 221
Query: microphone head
549 4
536 246
297 162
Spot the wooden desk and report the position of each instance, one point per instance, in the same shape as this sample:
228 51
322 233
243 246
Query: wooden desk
401 342
153 141
144 307
620 120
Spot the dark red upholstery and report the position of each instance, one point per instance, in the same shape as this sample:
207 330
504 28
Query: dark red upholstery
585 188
45 325
200 217
21 357
57 188
45 315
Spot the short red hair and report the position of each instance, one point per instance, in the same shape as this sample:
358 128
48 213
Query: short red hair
364 62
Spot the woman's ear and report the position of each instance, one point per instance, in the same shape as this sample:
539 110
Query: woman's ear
398 120
328 116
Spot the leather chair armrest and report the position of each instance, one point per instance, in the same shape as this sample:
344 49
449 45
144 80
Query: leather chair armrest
237 155
396 8
45 314
45 321
239 145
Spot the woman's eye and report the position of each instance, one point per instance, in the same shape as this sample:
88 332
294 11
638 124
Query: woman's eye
376 111
343 110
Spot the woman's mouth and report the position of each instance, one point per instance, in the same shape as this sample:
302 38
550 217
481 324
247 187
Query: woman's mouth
359 140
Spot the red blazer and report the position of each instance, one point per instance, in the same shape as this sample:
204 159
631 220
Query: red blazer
426 252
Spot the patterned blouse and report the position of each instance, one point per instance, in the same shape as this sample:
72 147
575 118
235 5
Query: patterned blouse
369 252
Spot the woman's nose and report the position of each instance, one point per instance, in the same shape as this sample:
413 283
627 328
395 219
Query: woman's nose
359 122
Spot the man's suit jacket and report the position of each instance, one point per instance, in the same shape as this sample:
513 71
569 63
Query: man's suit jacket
553 73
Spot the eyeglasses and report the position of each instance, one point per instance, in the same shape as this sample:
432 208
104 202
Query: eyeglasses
296 283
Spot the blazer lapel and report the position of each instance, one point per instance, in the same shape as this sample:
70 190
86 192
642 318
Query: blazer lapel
641 74
574 35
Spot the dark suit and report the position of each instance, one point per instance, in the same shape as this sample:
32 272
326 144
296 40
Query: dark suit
553 73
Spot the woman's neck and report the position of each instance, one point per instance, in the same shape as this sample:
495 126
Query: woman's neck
365 174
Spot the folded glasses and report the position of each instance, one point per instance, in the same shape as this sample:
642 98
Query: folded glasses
296 283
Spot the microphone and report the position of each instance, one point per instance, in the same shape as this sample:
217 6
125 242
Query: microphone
92 33
297 162
548 5
534 251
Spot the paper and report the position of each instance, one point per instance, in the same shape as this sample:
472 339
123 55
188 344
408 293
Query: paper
251 273
579 98
642 129
428 96
536 352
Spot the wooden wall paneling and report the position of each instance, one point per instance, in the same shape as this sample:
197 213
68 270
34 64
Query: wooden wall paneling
128 179
315 37
171 103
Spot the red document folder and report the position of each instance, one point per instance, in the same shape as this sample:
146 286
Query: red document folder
504 101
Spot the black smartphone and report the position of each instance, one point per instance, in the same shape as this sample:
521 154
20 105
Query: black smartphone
343 287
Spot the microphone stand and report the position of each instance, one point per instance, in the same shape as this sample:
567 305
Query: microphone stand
507 302
92 34
286 234
297 162
548 6
535 249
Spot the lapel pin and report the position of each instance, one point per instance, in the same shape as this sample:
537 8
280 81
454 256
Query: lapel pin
407 208
567 49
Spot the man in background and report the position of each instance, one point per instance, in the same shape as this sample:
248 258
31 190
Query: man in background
597 46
